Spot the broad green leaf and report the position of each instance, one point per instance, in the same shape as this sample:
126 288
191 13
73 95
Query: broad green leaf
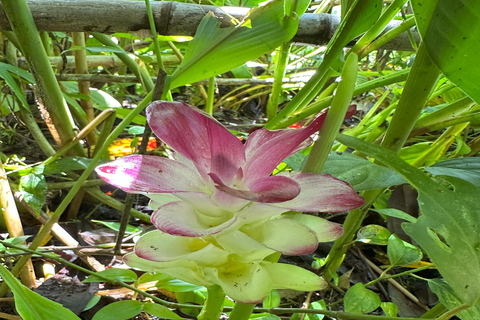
272 300
359 299
464 168
124 275
451 300
34 190
361 174
215 50
450 32
448 227
373 234
401 253
32 306
160 311
396 214
389 308
120 310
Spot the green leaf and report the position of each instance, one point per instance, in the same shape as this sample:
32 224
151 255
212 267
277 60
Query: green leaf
32 306
124 275
319 305
359 299
467 169
448 227
176 285
215 50
272 300
401 253
361 174
116 226
67 164
451 300
396 214
373 234
450 32
34 190
96 49
389 308
120 310
136 130
160 311
10 81
362 16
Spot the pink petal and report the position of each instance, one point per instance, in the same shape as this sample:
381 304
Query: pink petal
198 137
182 219
325 230
150 174
285 236
162 247
268 189
265 149
322 193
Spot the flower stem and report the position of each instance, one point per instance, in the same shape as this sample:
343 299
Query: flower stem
214 305
241 311
335 117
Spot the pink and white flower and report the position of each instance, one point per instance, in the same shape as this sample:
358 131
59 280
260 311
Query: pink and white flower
217 182
222 218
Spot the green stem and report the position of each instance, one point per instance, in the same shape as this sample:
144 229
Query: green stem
420 83
434 312
241 311
141 73
44 233
210 95
378 27
48 89
352 223
212 310
450 313
335 117
277 87
405 273
324 103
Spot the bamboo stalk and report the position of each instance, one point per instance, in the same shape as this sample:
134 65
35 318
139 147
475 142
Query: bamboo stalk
171 18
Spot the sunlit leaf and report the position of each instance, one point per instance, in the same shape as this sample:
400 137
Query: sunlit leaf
389 308
402 253
373 234
215 50
34 190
